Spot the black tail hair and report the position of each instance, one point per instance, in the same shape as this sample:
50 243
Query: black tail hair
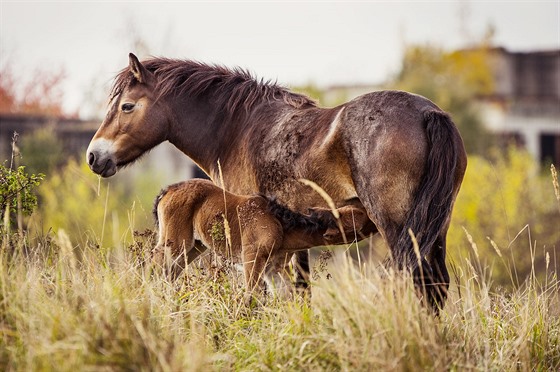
433 201
156 203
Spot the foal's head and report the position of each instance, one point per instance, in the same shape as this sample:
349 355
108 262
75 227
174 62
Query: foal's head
135 123
351 220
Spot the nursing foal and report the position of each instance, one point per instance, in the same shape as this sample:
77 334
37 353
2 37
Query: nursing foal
252 230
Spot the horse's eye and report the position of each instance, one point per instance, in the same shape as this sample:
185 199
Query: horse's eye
127 107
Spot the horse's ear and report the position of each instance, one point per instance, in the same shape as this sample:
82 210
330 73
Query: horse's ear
138 70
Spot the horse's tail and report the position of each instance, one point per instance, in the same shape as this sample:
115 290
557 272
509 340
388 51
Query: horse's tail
433 202
291 220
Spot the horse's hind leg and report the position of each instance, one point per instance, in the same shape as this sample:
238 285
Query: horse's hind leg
437 294
431 278
388 201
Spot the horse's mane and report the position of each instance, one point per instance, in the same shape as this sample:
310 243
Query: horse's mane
291 220
233 89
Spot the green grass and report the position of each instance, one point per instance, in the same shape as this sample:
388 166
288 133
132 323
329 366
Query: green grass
65 307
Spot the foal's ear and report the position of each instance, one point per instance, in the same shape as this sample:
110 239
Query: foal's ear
352 218
138 70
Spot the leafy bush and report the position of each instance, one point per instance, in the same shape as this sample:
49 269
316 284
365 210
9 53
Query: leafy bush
16 192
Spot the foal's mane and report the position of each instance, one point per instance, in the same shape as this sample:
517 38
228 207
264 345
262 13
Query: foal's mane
233 89
291 220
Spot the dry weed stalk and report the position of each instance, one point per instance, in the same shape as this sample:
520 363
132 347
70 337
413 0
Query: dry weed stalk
555 183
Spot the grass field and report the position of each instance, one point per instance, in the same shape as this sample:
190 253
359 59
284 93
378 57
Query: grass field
78 308
76 293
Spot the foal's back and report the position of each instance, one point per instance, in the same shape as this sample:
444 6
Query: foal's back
199 211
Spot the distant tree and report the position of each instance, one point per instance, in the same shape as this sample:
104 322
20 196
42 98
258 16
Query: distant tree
453 80
39 95
42 151
312 91
8 100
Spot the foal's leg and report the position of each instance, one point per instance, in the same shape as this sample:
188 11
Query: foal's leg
196 251
254 258
174 243
170 258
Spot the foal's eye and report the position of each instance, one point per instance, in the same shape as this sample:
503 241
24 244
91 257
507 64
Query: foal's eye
127 107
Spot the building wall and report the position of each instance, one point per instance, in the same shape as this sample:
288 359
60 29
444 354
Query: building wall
526 100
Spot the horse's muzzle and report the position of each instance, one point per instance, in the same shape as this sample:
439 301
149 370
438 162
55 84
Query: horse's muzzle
102 165
100 157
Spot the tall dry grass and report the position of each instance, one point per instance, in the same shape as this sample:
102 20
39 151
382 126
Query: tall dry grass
80 308
72 303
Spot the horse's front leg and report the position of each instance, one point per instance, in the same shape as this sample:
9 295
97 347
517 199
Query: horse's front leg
279 276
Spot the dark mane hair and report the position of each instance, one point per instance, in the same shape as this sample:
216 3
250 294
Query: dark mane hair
291 220
233 89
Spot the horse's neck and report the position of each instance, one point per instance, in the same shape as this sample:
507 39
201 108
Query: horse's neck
221 147
202 133
196 130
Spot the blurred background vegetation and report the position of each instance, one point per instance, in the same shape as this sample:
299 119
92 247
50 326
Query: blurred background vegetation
506 213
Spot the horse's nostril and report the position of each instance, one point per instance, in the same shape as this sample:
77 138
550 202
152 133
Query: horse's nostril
91 158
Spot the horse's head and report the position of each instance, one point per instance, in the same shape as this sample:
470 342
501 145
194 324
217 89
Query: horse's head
135 123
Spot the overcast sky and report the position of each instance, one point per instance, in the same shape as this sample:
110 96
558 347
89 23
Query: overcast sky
293 42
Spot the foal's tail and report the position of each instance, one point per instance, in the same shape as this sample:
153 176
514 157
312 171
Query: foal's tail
156 203
433 202
291 220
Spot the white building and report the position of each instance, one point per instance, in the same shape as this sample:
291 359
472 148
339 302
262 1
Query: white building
525 104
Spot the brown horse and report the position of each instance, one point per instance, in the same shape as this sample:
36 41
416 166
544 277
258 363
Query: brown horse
396 152
255 231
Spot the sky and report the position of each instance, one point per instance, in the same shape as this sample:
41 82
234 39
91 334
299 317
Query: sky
294 43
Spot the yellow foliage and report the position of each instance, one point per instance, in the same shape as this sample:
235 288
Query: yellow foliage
442 75
91 209
453 80
508 202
